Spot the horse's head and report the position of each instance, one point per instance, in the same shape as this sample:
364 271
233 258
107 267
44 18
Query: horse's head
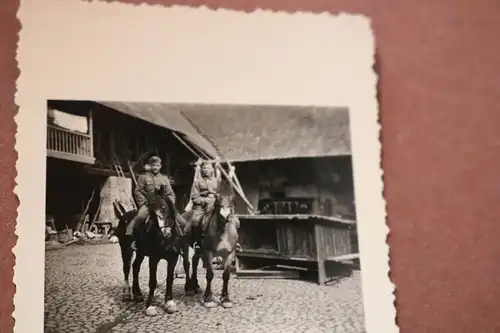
165 227
163 209
225 205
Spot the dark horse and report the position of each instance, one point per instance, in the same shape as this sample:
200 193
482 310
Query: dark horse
157 240
221 237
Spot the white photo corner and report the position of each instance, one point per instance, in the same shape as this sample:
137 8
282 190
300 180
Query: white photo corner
242 148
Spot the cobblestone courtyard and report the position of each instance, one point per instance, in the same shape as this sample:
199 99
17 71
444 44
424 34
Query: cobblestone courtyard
83 294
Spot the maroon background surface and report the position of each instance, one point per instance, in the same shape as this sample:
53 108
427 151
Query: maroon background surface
439 93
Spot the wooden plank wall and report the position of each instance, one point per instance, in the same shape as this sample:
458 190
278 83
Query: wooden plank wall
333 241
296 241
258 235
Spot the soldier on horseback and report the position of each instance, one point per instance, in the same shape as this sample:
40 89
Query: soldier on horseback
204 191
148 184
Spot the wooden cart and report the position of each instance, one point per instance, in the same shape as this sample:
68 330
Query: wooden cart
307 242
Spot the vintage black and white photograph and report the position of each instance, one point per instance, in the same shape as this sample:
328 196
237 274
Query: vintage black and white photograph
186 169
189 217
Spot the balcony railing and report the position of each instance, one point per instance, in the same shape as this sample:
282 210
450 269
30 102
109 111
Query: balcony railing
68 145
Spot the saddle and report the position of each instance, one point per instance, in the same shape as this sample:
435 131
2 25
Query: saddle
201 228
198 230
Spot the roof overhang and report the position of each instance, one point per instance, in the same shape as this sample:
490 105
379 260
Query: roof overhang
166 116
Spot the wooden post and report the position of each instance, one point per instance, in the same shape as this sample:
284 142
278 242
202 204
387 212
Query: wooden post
91 133
320 258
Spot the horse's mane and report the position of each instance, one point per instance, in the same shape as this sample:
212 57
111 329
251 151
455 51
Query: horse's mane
216 212
172 211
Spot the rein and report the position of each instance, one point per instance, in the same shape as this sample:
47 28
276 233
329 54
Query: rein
167 213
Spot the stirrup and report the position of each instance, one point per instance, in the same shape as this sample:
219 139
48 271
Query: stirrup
134 245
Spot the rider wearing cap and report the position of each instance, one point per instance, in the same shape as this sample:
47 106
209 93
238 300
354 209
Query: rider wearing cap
148 184
203 194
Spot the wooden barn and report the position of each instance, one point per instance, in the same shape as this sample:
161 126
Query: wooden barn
294 166
94 150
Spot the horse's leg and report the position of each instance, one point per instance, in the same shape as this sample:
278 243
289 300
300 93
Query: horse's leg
226 262
136 267
153 268
126 252
194 278
185 263
169 298
208 298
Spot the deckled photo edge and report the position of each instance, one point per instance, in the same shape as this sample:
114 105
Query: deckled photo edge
24 146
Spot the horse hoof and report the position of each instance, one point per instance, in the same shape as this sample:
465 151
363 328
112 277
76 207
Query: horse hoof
198 290
210 305
127 297
151 311
171 307
139 298
190 292
227 304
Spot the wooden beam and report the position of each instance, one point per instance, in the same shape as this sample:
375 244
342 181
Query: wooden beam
91 133
103 172
266 274
238 190
345 257
70 157
320 258
328 220
233 184
185 144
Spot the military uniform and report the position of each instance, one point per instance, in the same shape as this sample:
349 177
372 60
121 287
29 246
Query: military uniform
148 185
203 194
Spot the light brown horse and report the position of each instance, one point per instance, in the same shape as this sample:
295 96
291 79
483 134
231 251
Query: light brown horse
220 240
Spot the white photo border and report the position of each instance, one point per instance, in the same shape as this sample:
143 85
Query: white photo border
195 55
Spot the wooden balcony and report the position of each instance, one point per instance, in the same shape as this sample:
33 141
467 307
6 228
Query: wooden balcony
68 145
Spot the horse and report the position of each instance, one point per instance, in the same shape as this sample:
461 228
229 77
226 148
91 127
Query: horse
221 237
157 240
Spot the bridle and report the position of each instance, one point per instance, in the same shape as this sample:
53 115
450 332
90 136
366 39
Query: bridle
162 213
